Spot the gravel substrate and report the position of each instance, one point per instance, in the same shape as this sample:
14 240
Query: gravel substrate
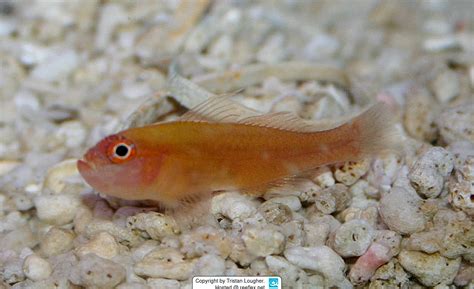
72 72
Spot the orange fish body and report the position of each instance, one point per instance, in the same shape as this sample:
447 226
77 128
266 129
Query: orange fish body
183 160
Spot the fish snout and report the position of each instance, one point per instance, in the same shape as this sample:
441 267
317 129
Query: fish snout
84 166
95 158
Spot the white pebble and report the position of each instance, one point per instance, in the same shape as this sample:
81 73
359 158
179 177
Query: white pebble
57 66
421 110
208 265
285 103
429 172
389 239
103 245
136 90
332 199
233 205
122 235
288 272
160 283
33 53
2 204
427 242
369 214
206 240
471 75
259 268
36 268
316 234
321 46
458 235
12 268
57 175
96 272
134 285
325 202
240 254
71 133
353 238
441 43
461 187
350 172
275 213
446 86
272 50
82 219
7 166
324 178
22 202
111 15
456 123
57 209
165 263
27 103
400 211
56 241
465 276
294 233
156 225
12 221
430 270
18 239
321 259
332 222
222 48
291 201
143 249
263 241
7 26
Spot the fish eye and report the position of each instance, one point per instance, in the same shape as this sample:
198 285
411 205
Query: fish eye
121 151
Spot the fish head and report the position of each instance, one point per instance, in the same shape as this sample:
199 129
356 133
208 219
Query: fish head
119 166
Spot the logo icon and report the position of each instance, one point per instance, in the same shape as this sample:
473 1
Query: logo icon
273 283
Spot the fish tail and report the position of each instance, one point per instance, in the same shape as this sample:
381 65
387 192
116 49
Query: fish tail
375 132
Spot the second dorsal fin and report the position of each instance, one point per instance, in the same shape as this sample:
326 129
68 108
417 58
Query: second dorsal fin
219 109
223 109
286 121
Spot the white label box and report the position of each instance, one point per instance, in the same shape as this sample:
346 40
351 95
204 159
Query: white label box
234 282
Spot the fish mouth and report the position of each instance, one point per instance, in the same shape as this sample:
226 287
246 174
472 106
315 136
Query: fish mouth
84 166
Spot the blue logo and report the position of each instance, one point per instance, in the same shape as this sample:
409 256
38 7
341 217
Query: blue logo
273 283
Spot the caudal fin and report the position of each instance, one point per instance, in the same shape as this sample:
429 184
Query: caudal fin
376 131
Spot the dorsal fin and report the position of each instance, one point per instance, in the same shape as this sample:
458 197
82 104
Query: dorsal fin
219 109
286 121
209 107
223 109
186 92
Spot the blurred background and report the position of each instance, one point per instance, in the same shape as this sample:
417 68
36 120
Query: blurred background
72 72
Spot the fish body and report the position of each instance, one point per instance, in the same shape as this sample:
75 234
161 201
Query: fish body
184 160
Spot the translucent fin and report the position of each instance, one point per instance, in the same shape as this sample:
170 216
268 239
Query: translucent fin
223 109
282 184
192 116
376 131
199 100
192 211
287 121
206 106
219 109
186 92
